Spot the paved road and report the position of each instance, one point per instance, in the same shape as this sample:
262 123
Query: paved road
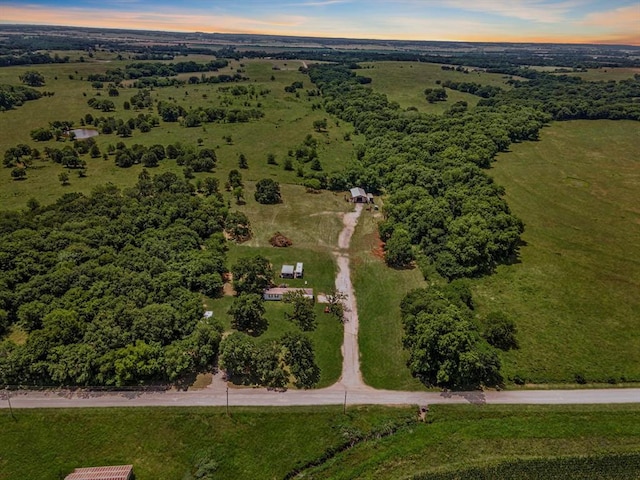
334 395
350 388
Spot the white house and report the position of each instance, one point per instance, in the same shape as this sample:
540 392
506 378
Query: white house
277 293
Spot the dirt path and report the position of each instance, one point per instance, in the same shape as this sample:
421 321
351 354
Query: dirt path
351 376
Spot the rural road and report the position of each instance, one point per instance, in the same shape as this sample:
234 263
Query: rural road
350 388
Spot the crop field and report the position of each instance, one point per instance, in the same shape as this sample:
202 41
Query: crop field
405 82
168 443
574 293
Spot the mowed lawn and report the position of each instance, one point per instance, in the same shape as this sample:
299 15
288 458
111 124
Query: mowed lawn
405 82
575 295
379 290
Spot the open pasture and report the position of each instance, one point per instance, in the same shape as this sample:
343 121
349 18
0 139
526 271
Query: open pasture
287 120
574 292
405 82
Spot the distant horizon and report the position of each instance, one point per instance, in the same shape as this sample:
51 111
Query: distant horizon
312 37
601 22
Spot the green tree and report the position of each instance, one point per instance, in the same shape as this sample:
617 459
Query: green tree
19 173
247 311
242 161
397 250
271 159
235 178
238 355
238 193
252 274
237 226
300 357
303 313
320 125
32 78
267 191
210 186
64 178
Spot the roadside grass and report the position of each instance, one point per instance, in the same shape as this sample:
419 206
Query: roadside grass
165 443
574 292
461 437
379 290
405 82
288 120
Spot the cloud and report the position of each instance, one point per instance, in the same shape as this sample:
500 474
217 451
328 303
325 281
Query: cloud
317 3
623 18
170 21
544 11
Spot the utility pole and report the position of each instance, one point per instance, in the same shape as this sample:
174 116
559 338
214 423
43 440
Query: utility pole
9 401
344 408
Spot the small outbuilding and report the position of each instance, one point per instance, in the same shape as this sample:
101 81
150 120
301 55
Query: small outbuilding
115 472
299 271
278 293
287 271
358 195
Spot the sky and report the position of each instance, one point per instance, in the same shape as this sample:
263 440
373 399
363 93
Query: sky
564 21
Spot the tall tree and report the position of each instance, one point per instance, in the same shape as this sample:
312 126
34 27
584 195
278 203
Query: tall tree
252 274
247 311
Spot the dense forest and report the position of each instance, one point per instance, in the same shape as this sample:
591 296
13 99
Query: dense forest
109 286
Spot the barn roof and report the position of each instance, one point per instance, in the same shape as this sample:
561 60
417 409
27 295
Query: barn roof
358 192
115 472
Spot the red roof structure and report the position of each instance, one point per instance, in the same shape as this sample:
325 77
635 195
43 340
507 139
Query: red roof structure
116 472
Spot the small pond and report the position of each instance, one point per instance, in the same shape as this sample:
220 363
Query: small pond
82 133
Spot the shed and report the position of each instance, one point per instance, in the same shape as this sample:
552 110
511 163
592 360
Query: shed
299 272
287 271
116 472
358 195
208 314
277 293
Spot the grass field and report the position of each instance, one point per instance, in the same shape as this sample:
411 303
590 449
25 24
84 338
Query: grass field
405 82
462 437
287 121
165 443
379 290
574 296
606 74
